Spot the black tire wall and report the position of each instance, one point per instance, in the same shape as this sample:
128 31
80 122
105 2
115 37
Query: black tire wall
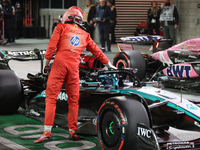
11 92
130 112
131 59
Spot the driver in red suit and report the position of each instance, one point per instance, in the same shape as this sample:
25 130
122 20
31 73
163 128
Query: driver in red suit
70 40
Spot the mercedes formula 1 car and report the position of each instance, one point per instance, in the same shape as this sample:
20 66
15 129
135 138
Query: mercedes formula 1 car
179 63
114 105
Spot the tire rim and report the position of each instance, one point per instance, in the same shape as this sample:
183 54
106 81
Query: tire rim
121 64
111 129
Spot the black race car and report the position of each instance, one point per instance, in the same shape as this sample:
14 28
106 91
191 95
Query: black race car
114 105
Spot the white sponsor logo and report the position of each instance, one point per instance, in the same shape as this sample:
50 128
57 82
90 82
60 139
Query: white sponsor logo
179 60
24 53
180 145
144 132
190 56
94 121
197 124
61 95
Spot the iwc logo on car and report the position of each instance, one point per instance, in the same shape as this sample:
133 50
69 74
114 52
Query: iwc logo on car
144 132
75 40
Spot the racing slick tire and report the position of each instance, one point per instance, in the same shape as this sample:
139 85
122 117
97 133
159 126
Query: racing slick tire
117 123
11 92
131 59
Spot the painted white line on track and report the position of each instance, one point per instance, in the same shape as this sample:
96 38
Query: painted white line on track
11 144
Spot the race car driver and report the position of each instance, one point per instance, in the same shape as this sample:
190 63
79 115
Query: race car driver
70 40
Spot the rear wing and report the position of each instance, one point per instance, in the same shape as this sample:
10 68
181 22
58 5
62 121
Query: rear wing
141 39
137 39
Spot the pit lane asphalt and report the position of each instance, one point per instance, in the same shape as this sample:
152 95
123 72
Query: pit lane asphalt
24 67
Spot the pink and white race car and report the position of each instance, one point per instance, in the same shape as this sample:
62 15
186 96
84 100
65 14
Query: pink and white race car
179 64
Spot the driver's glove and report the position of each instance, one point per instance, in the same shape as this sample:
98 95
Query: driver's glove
109 65
46 67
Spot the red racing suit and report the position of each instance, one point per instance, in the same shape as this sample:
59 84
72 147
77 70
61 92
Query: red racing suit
70 40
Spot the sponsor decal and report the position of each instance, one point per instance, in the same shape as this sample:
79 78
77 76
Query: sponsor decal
190 106
178 60
22 53
119 111
180 145
75 32
94 121
140 38
190 56
179 71
75 40
61 95
197 124
144 132
195 84
194 47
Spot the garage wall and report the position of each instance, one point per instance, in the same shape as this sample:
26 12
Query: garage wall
189 14
130 13
54 13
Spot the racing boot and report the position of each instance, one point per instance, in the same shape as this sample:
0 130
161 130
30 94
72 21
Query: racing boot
73 136
46 136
